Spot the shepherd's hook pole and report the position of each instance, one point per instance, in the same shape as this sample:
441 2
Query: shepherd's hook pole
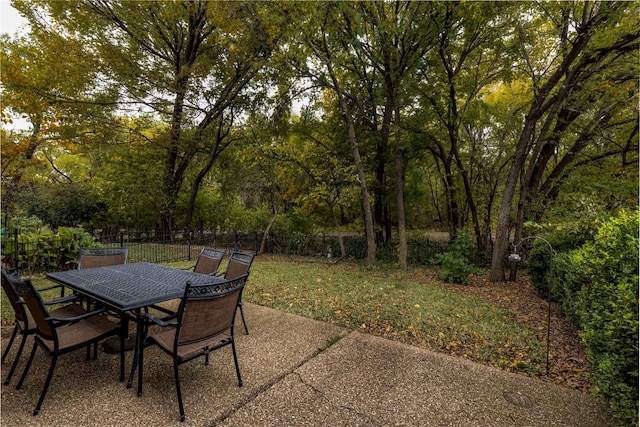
514 257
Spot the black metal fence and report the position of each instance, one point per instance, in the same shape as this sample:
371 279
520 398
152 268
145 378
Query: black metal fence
34 252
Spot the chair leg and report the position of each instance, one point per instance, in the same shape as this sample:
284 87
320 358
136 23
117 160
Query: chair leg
235 360
14 365
246 331
26 368
175 371
46 384
13 336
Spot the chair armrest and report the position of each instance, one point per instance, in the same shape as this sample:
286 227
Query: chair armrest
61 300
160 322
48 288
64 320
218 273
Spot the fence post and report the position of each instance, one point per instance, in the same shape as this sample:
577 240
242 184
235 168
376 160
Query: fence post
235 240
255 244
189 245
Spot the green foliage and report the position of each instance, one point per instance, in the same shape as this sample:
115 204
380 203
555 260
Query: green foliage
607 309
456 264
609 319
597 285
239 218
567 281
62 204
39 248
539 266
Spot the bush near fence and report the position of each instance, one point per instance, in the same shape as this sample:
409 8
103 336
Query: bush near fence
33 252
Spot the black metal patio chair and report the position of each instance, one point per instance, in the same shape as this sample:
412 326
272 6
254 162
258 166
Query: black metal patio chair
25 325
239 265
61 335
209 261
204 323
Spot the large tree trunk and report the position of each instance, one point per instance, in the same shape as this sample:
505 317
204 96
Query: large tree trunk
545 101
502 227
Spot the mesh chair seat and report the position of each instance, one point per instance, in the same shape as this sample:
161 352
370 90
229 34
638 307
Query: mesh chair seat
166 341
70 336
69 310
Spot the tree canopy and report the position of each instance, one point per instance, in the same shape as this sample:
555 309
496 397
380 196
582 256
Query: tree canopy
379 117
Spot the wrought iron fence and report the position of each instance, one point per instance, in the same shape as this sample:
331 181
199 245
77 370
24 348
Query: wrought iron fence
32 252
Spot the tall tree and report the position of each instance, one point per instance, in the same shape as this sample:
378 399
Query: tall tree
189 62
471 57
369 50
55 108
585 34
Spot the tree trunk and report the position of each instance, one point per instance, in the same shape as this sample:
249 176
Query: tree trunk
216 149
366 202
343 251
402 232
364 193
543 102
266 231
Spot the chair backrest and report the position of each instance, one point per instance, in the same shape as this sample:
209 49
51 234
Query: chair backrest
209 260
239 265
207 310
31 297
102 257
14 299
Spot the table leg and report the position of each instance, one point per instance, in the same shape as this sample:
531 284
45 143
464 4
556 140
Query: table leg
138 346
142 332
124 333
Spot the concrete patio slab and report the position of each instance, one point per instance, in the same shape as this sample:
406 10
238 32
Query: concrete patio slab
290 379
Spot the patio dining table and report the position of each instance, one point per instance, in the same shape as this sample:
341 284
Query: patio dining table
130 288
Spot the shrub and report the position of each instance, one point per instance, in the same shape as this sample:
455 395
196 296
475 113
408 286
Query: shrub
538 266
607 312
568 278
41 249
597 287
456 267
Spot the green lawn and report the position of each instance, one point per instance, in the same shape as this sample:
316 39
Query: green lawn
388 302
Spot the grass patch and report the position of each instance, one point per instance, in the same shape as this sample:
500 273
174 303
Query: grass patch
331 341
387 302
384 302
